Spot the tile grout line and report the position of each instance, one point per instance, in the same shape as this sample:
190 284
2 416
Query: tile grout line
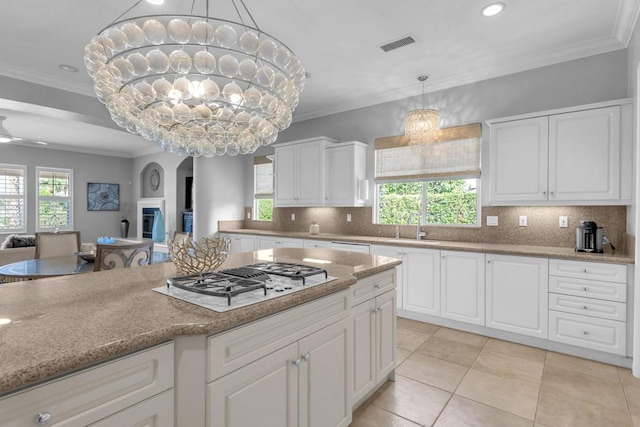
626 398
544 364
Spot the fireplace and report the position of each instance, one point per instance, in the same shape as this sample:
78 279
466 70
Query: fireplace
145 214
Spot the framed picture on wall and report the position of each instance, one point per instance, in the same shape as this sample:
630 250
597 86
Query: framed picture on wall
103 197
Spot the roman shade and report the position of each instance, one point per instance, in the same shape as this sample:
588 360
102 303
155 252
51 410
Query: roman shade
263 169
454 152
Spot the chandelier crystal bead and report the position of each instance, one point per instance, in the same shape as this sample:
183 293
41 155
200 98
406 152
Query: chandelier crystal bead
195 85
422 125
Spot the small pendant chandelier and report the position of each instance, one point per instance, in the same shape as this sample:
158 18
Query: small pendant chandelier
196 85
422 126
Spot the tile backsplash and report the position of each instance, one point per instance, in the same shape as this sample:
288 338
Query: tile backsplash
541 230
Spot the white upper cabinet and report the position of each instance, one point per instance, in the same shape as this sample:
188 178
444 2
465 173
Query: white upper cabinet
345 170
299 172
571 157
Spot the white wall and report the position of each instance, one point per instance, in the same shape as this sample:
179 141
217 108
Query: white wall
86 168
218 192
582 81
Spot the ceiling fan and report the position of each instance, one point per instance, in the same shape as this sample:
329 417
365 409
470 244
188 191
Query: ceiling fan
6 137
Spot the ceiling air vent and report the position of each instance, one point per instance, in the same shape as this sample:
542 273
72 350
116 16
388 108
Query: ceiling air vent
398 43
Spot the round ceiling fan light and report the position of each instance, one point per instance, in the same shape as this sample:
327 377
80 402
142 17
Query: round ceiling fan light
493 9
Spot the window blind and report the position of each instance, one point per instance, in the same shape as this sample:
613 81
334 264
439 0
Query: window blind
263 170
12 198
455 152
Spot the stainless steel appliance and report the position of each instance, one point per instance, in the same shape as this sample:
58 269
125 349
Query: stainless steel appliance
238 287
591 238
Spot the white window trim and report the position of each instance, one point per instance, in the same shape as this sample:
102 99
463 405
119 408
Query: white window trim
262 196
24 197
54 198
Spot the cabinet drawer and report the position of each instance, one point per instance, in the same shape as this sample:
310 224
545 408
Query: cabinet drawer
373 286
588 307
588 288
93 394
154 412
231 350
588 270
590 332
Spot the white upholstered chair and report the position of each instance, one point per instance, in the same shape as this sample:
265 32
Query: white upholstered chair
109 257
49 245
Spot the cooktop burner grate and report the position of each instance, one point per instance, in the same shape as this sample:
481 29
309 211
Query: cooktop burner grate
217 284
292 271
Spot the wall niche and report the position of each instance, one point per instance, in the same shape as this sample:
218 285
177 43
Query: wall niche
152 181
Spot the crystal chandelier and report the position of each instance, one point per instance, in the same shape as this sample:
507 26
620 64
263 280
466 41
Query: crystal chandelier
196 85
422 126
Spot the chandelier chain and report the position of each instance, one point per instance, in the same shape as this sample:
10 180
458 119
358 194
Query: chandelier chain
123 13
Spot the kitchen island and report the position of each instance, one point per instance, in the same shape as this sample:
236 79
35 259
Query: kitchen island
60 325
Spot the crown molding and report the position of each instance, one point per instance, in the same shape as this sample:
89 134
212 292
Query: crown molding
626 20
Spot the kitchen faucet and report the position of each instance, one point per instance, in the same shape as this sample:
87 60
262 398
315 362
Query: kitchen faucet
419 234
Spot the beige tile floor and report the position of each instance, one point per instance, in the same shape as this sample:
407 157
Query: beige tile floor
449 378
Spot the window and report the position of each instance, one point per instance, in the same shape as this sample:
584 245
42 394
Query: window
55 199
263 188
12 199
438 180
440 202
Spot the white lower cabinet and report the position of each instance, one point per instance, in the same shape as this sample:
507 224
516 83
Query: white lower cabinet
373 343
305 383
118 393
277 242
418 277
517 294
240 243
311 243
462 287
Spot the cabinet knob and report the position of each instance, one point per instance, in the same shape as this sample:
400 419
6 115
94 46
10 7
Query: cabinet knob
305 357
377 286
544 193
585 271
585 307
488 261
586 332
552 193
296 362
586 289
442 257
43 417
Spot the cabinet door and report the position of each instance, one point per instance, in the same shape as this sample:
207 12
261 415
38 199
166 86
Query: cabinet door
517 294
325 384
285 180
421 291
246 243
290 243
462 286
266 243
339 177
311 160
519 160
385 334
584 155
364 348
393 252
263 393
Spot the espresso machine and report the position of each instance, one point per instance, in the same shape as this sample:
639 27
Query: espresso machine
590 238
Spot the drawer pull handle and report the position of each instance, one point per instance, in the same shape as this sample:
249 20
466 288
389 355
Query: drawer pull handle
586 289
377 286
296 362
585 271
586 332
43 418
305 357
585 307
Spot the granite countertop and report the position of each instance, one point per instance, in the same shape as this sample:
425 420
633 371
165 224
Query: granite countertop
492 248
62 324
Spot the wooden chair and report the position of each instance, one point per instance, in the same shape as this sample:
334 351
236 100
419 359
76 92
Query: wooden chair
109 257
49 245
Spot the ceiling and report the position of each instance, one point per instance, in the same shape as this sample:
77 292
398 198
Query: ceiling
337 40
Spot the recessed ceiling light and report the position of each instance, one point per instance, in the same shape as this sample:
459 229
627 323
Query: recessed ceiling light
493 9
69 68
156 2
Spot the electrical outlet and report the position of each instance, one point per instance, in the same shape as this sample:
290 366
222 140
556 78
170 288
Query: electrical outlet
293 217
348 217
248 215
563 222
492 221
523 221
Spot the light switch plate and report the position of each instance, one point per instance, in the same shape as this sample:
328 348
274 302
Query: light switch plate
523 221
492 221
